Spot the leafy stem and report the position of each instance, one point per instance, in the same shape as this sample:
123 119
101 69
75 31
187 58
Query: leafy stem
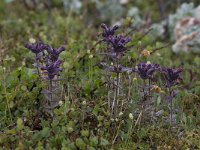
7 100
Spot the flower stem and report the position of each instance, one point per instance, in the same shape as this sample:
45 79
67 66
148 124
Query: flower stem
129 87
149 89
171 105
117 88
51 94
143 99
37 62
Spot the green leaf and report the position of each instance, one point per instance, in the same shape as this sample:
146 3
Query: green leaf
24 88
158 100
80 144
158 44
104 142
93 141
91 148
45 132
42 134
20 124
85 133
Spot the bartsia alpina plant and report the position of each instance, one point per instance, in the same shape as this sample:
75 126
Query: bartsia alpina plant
116 44
172 78
116 47
146 70
46 61
48 66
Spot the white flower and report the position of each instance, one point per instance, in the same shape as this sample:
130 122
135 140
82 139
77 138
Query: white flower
88 51
91 56
70 129
84 102
134 79
158 54
32 40
139 42
120 114
131 116
148 62
60 103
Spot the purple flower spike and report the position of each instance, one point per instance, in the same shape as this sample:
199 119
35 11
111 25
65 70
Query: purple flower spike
146 70
36 47
55 52
52 69
118 43
172 75
108 31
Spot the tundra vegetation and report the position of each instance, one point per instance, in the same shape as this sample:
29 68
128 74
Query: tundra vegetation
99 74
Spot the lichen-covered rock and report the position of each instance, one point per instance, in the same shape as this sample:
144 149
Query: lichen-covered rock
187 35
184 27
